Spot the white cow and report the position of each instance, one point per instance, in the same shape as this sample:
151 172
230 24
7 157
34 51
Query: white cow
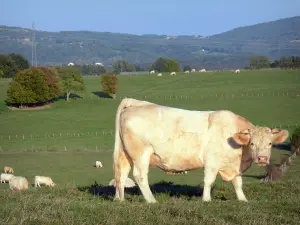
177 140
129 183
99 164
187 71
173 74
159 74
237 71
18 183
152 71
5 177
203 70
193 70
38 180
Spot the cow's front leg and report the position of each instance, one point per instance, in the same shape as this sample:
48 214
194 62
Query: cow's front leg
210 175
238 183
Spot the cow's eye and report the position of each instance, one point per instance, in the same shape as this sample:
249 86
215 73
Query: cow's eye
251 143
270 143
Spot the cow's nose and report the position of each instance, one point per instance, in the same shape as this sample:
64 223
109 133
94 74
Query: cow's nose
262 159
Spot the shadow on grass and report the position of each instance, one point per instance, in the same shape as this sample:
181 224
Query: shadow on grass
40 104
101 94
173 190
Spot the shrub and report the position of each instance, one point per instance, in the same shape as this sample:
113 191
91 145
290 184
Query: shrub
52 80
109 82
295 141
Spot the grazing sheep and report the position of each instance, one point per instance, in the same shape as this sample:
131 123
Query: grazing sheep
98 164
159 74
5 177
237 71
38 180
152 71
173 73
129 183
187 71
17 183
8 169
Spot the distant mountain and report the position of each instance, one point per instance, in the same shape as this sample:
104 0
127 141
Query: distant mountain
230 49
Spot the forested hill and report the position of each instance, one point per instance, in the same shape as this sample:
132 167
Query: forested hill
226 50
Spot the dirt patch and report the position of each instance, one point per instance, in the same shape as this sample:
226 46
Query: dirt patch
31 107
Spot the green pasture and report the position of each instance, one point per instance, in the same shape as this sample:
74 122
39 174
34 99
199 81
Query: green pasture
64 142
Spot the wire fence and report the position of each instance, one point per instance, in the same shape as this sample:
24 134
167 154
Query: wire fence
60 135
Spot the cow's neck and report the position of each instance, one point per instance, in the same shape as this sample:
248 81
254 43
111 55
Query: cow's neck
246 160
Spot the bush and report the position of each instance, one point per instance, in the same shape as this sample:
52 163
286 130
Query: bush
28 87
109 82
165 65
52 80
295 141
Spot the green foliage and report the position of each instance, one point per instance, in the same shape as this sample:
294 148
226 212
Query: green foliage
259 62
185 68
109 82
52 81
8 66
295 138
165 65
28 87
1 74
21 62
91 69
11 63
71 79
123 66
287 62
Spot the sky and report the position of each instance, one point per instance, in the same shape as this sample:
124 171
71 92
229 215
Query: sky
169 17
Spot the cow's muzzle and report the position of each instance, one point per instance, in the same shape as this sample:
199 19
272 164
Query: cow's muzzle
262 160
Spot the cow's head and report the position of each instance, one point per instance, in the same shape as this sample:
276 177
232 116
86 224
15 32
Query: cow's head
258 141
52 184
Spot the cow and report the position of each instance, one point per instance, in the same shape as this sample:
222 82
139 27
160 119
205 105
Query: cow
203 70
5 177
173 74
8 169
177 140
237 71
18 183
38 180
98 164
128 183
159 74
152 71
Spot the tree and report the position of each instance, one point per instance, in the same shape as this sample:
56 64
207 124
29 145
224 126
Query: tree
123 66
21 62
71 79
109 82
8 66
185 68
165 65
52 81
259 62
28 87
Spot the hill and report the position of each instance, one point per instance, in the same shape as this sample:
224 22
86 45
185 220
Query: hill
226 50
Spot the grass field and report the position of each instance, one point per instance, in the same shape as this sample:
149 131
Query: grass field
64 141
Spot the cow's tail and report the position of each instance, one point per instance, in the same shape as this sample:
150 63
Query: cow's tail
125 103
121 161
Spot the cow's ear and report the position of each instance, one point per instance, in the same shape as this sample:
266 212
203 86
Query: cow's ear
242 138
279 135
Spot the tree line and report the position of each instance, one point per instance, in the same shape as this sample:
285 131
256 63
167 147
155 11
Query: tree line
260 62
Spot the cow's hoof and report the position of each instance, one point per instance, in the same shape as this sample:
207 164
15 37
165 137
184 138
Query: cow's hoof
206 200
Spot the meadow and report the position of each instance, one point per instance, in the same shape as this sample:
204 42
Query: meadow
64 142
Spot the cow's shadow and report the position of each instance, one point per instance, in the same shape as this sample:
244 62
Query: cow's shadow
173 190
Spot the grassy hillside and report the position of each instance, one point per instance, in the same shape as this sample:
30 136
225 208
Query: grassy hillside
265 97
227 50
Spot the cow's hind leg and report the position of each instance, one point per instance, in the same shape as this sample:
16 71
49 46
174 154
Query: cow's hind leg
237 183
140 173
122 168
